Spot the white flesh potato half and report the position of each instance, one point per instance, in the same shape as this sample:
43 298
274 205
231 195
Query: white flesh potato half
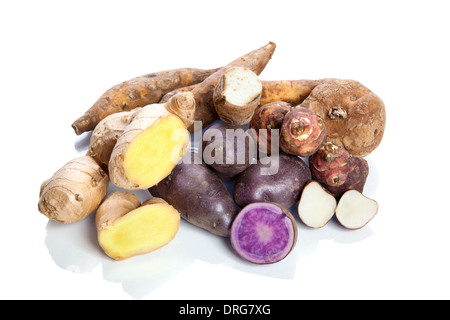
355 210
242 86
316 206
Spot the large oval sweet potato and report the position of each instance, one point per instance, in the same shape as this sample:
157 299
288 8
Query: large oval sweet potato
282 186
200 196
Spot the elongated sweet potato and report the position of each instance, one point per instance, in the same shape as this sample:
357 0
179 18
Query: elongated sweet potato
199 196
290 91
138 92
205 111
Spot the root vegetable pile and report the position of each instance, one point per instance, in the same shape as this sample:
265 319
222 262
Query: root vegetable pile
272 154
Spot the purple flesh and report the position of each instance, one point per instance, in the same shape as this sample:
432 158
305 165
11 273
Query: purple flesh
263 233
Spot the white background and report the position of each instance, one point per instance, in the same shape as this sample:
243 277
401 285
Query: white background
58 57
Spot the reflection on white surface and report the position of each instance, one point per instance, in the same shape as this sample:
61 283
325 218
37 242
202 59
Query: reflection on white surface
74 247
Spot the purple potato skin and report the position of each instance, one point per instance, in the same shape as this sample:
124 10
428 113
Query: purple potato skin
338 171
252 227
200 196
284 187
229 147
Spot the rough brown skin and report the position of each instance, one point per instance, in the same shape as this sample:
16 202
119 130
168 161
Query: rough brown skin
138 92
74 191
266 118
244 87
107 132
200 197
115 205
337 170
354 116
303 132
290 91
255 60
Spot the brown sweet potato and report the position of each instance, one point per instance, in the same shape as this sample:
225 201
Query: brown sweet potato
205 111
138 92
290 91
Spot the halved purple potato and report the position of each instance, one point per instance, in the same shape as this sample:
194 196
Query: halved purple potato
263 233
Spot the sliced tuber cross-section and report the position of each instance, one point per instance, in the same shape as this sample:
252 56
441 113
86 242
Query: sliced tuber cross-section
355 210
263 233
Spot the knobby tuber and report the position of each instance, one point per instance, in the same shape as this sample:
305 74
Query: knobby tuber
151 145
303 132
354 116
107 132
337 170
74 191
265 119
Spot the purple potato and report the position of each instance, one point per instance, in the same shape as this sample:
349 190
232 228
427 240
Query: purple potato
263 233
283 187
232 152
200 196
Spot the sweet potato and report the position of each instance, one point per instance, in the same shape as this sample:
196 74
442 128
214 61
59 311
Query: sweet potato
199 195
138 92
205 111
290 91
284 186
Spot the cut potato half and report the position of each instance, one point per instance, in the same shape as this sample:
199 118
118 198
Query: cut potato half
355 210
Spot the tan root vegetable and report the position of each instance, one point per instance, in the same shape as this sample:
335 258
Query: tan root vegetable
354 116
150 146
205 111
290 91
74 191
125 228
237 95
138 92
106 133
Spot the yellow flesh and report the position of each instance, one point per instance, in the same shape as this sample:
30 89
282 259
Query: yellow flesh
142 230
154 152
